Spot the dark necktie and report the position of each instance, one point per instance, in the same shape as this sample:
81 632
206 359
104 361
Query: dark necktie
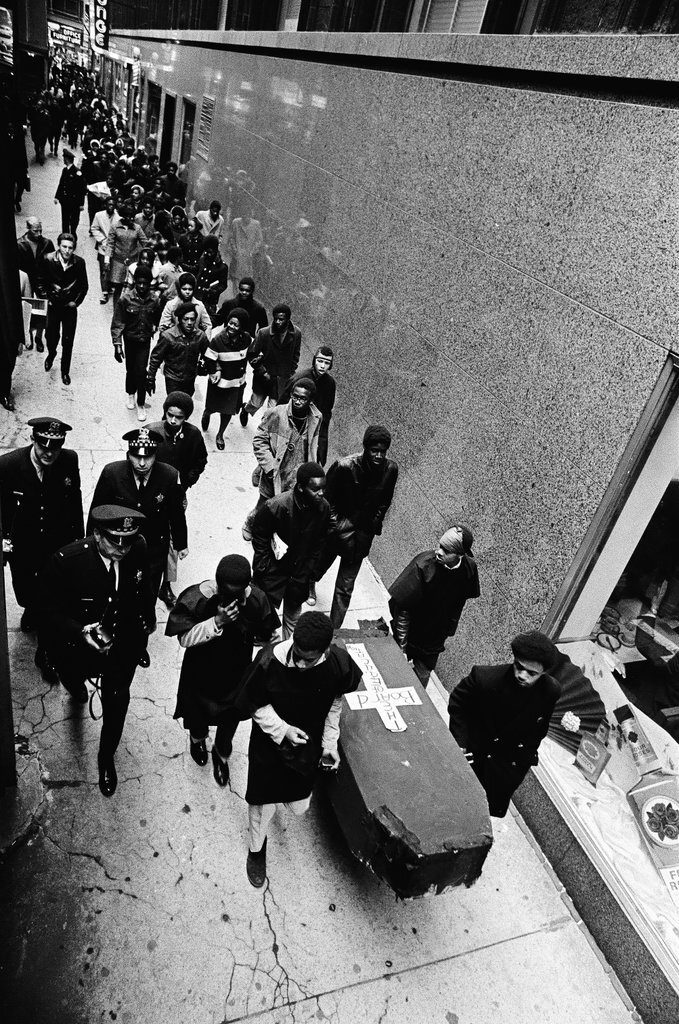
142 488
112 578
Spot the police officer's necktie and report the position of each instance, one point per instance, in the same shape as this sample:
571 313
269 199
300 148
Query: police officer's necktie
112 578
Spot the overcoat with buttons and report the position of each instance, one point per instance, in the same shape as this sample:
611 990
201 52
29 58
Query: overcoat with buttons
162 502
74 591
38 517
502 724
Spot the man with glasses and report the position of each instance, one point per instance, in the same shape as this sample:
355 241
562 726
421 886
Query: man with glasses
96 610
294 694
427 599
499 715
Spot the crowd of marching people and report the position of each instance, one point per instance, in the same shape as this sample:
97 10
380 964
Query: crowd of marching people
88 587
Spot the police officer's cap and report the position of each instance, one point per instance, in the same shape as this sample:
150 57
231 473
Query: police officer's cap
48 431
142 441
117 520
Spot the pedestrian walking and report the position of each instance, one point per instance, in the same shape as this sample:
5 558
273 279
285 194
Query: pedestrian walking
275 357
301 518
70 194
191 243
186 287
499 716
183 447
96 612
324 396
179 350
125 241
32 249
245 299
359 489
218 622
294 693
153 489
211 221
135 319
212 276
428 597
226 361
66 285
102 222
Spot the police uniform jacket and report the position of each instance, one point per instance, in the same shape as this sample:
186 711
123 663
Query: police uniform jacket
38 517
161 501
74 590
72 187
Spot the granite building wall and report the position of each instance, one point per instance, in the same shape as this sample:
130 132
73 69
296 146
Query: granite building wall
495 264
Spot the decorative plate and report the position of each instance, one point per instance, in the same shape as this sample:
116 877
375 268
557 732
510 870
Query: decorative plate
660 818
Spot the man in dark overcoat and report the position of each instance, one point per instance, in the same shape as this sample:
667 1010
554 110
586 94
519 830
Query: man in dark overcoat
32 248
301 518
359 489
427 599
218 623
184 448
294 694
96 611
42 510
152 488
499 715
70 194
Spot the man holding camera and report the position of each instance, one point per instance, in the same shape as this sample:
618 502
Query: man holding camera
96 610
218 622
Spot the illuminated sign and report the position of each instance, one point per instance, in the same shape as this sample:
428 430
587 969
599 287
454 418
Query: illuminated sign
100 24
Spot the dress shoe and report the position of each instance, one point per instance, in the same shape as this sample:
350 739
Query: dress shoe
198 752
76 689
7 402
47 670
108 779
243 416
29 344
205 421
144 660
39 347
246 529
220 769
65 379
48 363
167 596
141 413
105 297
311 599
26 624
256 867
130 402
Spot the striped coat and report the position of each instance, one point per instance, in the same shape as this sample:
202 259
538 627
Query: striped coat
226 361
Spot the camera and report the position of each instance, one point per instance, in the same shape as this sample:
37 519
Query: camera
100 637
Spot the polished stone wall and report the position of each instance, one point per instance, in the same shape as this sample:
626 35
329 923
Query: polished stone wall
496 268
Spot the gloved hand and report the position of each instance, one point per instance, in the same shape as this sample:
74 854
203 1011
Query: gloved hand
151 385
118 353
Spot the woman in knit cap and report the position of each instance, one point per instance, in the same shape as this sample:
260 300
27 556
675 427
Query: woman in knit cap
217 623
226 360
294 694
427 599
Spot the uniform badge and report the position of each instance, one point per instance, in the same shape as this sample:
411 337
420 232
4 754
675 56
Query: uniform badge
68 482
159 498
127 523
138 575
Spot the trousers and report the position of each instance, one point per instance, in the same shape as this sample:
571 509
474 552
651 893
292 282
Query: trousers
61 322
70 215
198 726
136 361
260 815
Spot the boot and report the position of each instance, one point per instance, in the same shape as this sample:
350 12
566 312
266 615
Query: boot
256 867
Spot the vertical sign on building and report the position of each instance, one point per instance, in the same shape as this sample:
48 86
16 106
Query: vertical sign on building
100 23
207 115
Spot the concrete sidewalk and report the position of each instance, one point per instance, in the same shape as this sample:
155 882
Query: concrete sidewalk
137 909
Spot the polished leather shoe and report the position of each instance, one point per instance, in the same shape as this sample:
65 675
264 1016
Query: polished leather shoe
144 660
39 347
256 867
220 769
77 690
48 363
65 379
167 596
108 779
198 752
47 669
243 416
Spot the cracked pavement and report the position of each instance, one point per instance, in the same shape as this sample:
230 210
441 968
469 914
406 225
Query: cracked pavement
138 909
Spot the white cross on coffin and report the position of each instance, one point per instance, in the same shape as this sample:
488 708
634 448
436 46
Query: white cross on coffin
377 694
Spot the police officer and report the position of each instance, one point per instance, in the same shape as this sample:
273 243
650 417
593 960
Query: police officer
152 488
70 193
96 610
42 510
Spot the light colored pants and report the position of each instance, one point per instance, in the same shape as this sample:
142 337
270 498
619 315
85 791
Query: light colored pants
260 815
291 613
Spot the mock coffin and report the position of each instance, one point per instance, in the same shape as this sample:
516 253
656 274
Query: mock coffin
407 801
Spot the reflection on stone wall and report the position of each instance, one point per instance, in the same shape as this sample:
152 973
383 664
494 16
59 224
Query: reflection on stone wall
496 270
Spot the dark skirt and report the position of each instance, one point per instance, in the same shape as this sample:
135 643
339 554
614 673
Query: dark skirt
279 774
226 401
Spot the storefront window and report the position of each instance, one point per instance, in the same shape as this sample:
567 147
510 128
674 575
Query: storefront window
152 117
188 124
